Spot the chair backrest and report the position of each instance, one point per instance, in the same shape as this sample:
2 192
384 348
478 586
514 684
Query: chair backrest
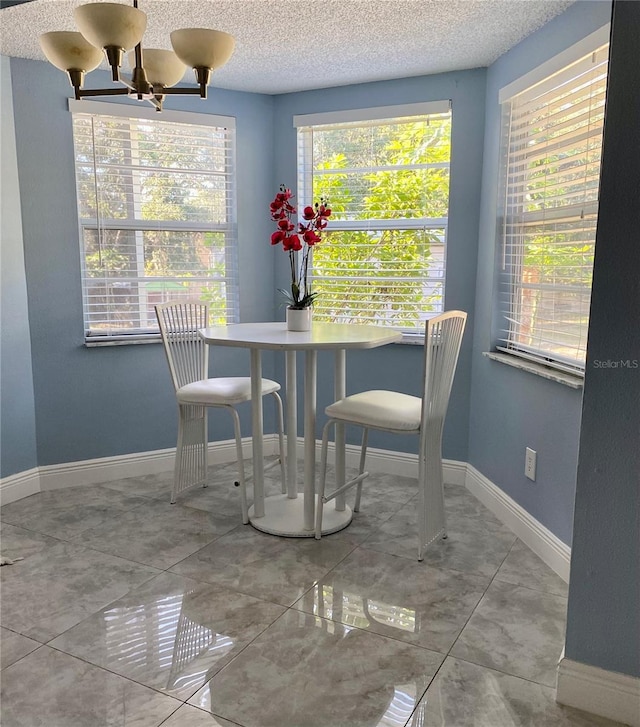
443 337
187 353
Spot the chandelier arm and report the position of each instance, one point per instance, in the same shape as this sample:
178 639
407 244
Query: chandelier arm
184 90
83 92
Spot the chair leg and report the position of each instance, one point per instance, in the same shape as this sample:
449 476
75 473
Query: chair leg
280 423
191 449
241 478
204 450
177 468
323 478
422 516
431 513
363 456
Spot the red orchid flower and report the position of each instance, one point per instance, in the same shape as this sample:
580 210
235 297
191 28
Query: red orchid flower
310 237
292 242
286 225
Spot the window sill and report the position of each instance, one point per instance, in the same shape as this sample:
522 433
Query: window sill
124 341
546 372
412 339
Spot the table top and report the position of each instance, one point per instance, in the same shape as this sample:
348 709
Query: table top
275 336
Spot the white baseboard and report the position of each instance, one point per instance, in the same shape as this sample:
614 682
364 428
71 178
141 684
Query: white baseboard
606 693
20 485
548 547
106 469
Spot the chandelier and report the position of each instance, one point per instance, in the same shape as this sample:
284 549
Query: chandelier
116 29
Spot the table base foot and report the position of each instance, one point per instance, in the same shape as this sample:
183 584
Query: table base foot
285 516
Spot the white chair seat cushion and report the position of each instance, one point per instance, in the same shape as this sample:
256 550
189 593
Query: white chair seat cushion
222 390
383 409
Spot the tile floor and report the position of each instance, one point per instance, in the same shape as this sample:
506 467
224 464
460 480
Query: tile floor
129 611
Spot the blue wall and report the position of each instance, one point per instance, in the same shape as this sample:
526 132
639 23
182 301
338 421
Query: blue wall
96 402
17 410
399 366
604 598
512 409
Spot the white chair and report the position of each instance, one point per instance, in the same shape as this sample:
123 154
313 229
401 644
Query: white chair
188 357
392 411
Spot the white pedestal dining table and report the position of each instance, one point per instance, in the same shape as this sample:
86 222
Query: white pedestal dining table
288 514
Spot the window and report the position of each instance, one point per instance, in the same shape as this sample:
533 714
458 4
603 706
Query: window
156 206
385 173
552 138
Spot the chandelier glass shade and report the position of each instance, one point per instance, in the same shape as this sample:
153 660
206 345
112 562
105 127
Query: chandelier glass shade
66 49
114 29
163 67
111 24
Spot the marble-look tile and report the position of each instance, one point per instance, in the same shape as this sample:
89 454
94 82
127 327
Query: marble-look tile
515 630
60 586
305 671
459 502
522 567
379 487
365 523
158 534
188 716
69 511
220 478
396 597
17 542
473 545
14 646
171 634
214 500
157 485
466 694
220 496
264 566
54 689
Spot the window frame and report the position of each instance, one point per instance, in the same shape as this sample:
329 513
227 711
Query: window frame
92 337
541 80
372 116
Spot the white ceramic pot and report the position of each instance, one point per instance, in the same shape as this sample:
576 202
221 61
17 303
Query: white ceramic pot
299 320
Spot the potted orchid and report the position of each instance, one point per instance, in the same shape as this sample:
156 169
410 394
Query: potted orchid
298 241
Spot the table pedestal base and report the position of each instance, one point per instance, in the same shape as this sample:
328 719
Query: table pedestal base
285 516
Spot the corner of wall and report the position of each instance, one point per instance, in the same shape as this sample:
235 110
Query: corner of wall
17 409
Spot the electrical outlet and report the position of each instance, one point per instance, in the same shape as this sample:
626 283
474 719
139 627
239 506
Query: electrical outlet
530 463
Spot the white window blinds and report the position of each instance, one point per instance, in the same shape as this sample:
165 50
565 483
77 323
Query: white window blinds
552 137
382 258
156 205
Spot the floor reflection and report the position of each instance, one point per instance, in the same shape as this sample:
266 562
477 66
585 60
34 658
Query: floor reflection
356 610
163 636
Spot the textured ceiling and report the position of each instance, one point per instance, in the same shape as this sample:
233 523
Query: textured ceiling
292 45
